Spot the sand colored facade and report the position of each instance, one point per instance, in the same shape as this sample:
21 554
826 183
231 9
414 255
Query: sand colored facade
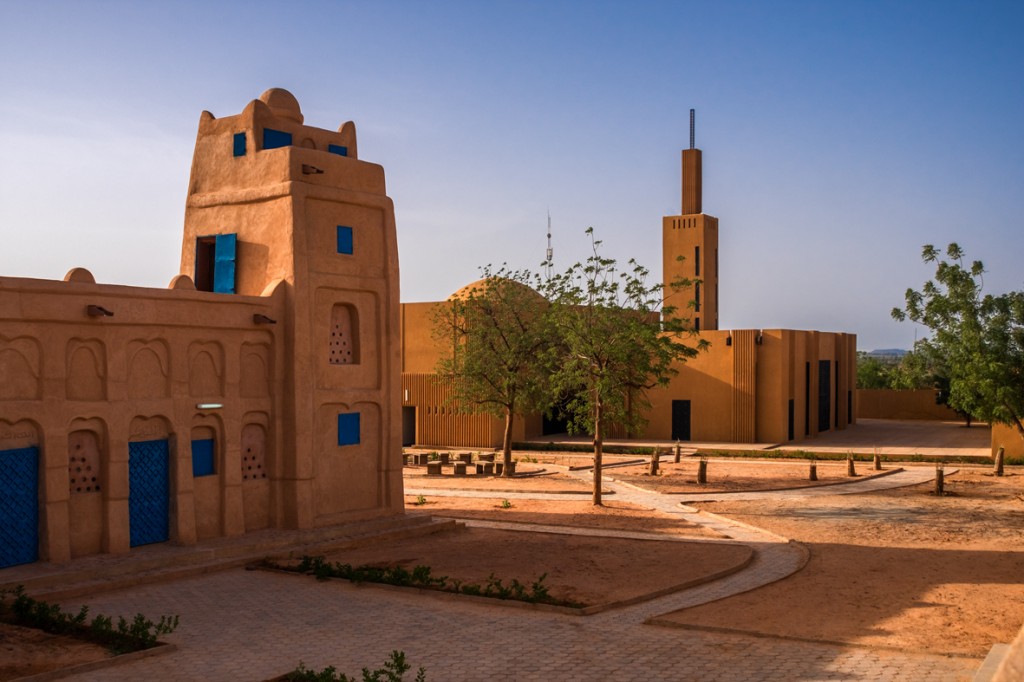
884 403
260 389
763 386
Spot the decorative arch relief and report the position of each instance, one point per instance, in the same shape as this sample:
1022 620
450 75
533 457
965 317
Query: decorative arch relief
255 363
206 369
343 347
148 369
20 359
86 370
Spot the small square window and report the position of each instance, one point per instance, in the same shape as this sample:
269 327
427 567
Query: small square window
273 139
344 239
239 144
348 428
202 458
337 149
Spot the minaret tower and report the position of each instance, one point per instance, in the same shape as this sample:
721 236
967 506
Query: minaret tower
694 236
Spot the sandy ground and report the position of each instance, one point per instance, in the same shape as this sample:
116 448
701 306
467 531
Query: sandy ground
582 514
26 651
739 475
601 571
548 482
900 568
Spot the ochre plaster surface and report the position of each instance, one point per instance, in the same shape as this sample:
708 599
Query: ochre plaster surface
109 365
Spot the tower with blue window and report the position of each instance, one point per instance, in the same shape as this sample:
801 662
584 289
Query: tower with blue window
274 203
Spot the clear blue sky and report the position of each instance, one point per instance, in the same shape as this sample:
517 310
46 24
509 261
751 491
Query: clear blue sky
838 137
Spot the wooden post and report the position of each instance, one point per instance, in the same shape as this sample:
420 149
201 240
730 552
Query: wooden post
702 471
813 473
679 452
851 469
878 461
940 482
655 457
998 468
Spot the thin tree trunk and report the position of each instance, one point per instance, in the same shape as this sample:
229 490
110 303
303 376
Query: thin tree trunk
506 443
598 451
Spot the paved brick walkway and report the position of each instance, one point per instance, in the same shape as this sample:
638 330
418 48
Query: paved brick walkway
239 625
251 625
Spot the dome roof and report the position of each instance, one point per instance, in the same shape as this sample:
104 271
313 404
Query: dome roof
481 285
283 104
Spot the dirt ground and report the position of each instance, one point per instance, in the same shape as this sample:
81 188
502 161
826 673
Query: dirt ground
739 475
26 651
900 568
602 570
548 482
613 515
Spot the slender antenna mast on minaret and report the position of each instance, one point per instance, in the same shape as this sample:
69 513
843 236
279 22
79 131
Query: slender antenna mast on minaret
550 253
692 145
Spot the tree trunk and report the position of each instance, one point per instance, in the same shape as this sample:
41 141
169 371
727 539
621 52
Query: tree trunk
598 451
506 443
655 457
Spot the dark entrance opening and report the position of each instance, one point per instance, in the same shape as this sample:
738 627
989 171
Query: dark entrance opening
792 410
680 420
206 251
408 425
824 394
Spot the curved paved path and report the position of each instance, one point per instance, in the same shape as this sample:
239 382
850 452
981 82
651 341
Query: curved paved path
252 625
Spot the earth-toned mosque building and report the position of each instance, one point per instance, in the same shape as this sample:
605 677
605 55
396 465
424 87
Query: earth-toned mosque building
259 390
752 386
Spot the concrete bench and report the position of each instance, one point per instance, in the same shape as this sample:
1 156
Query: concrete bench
433 468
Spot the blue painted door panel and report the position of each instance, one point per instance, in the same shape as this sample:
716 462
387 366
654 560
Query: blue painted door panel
148 490
19 506
224 264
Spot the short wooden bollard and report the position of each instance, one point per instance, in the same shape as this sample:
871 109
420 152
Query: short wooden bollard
997 468
812 474
940 482
851 469
702 471
433 468
878 462
679 452
655 458
460 468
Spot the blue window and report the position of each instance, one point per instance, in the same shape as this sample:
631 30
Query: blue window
215 263
272 139
348 428
344 239
337 149
202 457
239 142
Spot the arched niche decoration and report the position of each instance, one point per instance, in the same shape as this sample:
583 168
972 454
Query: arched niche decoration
255 364
86 370
149 368
206 369
20 360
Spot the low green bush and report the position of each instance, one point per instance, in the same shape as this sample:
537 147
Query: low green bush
393 670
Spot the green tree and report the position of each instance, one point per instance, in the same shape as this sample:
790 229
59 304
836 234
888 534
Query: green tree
616 339
497 343
978 337
872 372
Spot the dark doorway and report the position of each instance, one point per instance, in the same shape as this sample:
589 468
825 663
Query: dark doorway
824 394
408 426
792 410
680 420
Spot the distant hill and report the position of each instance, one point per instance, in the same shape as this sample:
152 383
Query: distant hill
887 353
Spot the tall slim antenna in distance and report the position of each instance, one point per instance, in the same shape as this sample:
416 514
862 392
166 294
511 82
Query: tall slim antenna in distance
550 253
692 145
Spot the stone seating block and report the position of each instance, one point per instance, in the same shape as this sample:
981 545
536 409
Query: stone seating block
460 468
433 468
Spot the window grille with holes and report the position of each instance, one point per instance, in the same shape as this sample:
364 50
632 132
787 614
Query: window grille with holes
83 463
253 459
343 348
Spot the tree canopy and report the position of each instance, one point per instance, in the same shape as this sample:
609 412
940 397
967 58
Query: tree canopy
497 342
616 338
978 337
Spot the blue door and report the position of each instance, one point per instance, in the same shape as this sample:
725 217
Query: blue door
148 492
19 506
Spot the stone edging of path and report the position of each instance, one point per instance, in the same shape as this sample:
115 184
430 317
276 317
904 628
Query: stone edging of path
160 649
858 479
791 638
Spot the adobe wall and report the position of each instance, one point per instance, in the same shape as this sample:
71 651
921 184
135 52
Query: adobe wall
883 403
1007 437
81 388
